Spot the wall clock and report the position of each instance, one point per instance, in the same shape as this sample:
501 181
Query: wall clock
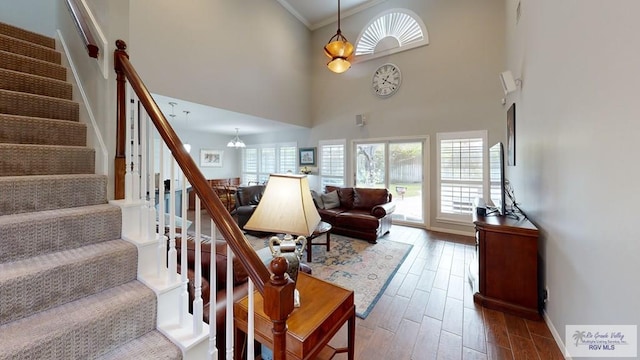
386 80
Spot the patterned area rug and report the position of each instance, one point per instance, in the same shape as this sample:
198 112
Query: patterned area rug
354 264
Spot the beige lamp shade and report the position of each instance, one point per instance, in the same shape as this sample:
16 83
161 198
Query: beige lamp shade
286 207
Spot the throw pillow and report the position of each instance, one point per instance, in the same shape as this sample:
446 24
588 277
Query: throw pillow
317 199
330 200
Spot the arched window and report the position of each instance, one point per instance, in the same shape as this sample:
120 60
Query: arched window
390 32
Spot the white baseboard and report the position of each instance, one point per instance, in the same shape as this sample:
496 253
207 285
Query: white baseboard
455 232
556 335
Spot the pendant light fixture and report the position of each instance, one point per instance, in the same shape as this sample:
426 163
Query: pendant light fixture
339 50
236 142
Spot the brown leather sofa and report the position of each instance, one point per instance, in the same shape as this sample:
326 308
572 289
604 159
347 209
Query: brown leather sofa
362 213
240 283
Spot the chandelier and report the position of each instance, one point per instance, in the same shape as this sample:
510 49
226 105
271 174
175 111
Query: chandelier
339 50
236 142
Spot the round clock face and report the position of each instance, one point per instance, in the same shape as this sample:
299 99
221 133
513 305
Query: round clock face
386 80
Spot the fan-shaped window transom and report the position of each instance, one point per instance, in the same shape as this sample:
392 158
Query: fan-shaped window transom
390 32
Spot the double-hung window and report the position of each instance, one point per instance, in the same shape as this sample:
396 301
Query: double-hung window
332 162
260 161
461 162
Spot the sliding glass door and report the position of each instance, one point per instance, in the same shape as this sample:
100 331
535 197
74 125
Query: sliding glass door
397 165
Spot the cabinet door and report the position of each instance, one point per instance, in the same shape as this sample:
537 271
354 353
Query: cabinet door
511 268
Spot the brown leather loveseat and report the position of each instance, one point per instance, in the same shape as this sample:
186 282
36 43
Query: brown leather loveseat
359 212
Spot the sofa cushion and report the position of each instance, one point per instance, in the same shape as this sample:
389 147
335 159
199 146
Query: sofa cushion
317 199
330 200
328 215
355 219
345 195
368 198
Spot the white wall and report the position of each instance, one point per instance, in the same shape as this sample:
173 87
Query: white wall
21 14
450 85
231 158
249 56
577 147
100 92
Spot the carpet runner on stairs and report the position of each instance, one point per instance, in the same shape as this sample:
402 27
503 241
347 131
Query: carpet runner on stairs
68 280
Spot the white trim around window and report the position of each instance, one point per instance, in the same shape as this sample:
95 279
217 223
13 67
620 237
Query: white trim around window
332 157
461 169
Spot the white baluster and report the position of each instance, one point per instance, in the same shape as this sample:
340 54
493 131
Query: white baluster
229 319
172 225
135 151
144 177
151 209
250 323
162 241
128 188
184 294
197 302
213 285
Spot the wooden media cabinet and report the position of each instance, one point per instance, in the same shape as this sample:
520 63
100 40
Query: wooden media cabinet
507 265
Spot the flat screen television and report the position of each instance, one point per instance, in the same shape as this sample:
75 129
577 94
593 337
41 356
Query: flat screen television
496 179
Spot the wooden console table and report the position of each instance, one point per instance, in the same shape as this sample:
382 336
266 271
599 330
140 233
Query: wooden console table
507 257
325 308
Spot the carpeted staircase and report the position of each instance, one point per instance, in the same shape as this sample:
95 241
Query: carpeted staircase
68 287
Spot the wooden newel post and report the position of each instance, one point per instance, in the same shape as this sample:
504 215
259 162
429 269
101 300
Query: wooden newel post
120 161
278 304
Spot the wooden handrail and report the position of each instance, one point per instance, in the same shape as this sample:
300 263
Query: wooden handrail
257 271
80 19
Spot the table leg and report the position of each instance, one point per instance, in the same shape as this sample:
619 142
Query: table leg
328 240
309 239
351 335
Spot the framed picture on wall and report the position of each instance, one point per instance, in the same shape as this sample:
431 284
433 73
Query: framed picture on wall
511 135
307 156
211 158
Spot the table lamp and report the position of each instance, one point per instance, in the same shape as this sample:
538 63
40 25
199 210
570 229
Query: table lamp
286 207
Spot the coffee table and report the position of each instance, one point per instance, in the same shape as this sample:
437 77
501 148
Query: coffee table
322 228
325 307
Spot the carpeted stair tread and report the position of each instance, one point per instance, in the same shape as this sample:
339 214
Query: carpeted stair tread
26 35
25 64
33 234
27 159
82 329
34 84
19 103
67 279
43 282
26 48
16 129
22 194
152 345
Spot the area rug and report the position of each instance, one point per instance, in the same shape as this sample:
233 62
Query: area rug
354 264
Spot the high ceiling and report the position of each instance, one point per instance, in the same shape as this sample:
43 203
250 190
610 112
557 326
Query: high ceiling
317 13
313 14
